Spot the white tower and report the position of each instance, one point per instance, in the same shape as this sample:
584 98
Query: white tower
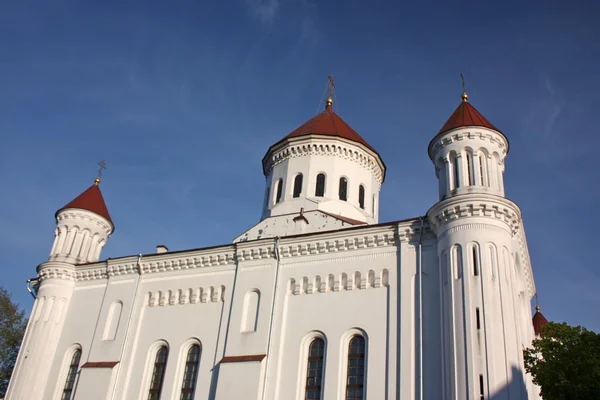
83 226
323 165
486 279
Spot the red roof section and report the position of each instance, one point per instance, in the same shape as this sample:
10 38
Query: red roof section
466 115
329 123
90 200
538 321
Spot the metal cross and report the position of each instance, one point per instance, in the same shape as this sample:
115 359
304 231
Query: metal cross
102 165
331 85
463 82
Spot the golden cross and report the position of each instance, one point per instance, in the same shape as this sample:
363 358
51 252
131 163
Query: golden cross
463 82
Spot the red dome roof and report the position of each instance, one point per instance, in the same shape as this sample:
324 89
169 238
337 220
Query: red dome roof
90 200
328 123
466 115
538 321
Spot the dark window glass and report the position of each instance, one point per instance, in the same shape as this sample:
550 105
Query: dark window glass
481 392
469 169
320 189
297 185
361 196
343 189
477 319
456 172
355 383
475 262
279 191
158 374
190 374
71 376
314 369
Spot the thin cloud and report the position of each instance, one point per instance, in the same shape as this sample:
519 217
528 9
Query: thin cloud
264 10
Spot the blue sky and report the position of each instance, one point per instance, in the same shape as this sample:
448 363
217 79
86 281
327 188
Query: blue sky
183 99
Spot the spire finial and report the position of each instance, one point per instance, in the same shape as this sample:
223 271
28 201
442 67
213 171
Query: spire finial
464 96
330 88
537 305
102 165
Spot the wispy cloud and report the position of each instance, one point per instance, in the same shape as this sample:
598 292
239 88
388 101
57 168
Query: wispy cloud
265 10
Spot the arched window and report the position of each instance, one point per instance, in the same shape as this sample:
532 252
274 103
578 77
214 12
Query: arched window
456 172
158 373
343 189
279 191
355 382
297 185
475 259
320 188
361 196
470 181
314 369
71 375
190 374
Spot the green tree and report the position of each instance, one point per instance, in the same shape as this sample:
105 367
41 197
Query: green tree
565 362
12 327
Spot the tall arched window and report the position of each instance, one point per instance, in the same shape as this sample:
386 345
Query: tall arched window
158 373
71 375
355 382
361 196
475 261
279 191
343 189
314 370
456 172
190 374
320 188
470 180
297 185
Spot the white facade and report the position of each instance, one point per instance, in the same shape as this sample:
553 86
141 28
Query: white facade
441 302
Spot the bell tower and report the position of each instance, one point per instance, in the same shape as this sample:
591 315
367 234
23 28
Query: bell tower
82 229
486 278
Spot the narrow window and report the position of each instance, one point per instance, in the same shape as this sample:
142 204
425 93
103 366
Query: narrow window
320 188
373 206
456 172
297 185
279 190
475 262
158 374
457 262
481 394
477 318
71 376
314 369
355 382
190 373
481 173
361 196
343 189
469 169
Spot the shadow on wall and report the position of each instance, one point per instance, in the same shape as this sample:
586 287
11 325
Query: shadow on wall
515 389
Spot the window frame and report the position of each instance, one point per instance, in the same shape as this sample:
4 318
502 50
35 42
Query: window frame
303 362
69 369
324 185
183 391
152 362
278 191
344 352
361 196
343 195
297 189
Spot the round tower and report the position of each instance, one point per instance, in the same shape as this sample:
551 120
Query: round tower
82 228
485 297
323 165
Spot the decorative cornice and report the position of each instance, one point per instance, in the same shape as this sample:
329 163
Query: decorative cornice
173 297
470 226
323 147
301 262
76 214
50 272
344 282
465 133
475 205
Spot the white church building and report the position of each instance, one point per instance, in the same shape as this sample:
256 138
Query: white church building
319 300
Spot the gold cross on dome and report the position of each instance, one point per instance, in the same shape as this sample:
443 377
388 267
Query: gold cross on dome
331 85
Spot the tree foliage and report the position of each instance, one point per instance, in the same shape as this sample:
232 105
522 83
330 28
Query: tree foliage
565 362
12 326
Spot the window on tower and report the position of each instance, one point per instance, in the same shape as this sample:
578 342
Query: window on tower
314 370
456 172
320 188
279 191
355 381
343 189
158 373
361 196
297 185
71 375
